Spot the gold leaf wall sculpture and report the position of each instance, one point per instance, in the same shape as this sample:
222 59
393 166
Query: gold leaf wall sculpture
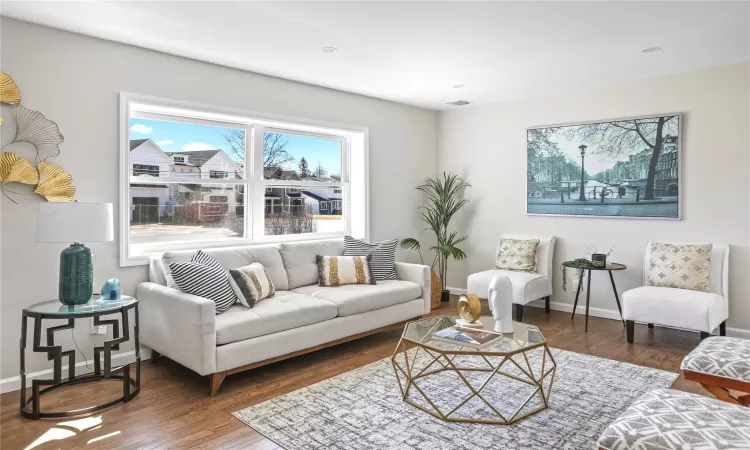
9 92
7 159
32 127
22 172
55 184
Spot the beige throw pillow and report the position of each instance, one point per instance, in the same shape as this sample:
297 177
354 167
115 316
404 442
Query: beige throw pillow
517 254
682 266
251 283
340 270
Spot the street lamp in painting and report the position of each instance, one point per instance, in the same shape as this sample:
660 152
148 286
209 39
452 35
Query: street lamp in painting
582 196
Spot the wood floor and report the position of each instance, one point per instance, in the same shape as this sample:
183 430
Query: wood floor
174 410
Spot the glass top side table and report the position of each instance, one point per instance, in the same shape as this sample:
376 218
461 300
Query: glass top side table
96 308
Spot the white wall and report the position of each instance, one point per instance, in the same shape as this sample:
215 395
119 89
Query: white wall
75 81
487 146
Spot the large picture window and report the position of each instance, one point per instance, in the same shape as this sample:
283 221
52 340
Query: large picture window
198 178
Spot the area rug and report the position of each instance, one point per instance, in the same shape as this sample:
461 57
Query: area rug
363 409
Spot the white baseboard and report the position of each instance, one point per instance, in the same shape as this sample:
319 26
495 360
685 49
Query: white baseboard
14 383
600 312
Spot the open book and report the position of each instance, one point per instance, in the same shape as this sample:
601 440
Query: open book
469 337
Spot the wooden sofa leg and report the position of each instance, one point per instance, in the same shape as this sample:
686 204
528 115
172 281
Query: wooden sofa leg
215 382
546 304
519 312
704 335
651 325
723 328
630 325
155 355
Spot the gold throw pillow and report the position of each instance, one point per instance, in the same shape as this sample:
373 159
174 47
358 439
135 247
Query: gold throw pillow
340 270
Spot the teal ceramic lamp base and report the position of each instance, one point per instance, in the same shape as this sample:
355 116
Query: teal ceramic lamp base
76 275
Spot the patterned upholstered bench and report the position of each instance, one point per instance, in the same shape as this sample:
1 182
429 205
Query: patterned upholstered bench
667 419
721 364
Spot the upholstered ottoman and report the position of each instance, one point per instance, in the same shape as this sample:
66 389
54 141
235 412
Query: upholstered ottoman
721 364
667 419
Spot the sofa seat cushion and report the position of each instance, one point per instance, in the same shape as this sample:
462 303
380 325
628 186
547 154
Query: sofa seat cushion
527 286
358 298
284 311
681 308
668 419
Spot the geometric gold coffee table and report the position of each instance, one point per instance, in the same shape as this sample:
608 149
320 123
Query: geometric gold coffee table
521 362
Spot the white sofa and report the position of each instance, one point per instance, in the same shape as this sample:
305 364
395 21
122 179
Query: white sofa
681 308
300 318
527 286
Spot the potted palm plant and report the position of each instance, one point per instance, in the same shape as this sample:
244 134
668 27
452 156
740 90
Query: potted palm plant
442 204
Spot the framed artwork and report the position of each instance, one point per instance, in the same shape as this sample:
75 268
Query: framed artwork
627 168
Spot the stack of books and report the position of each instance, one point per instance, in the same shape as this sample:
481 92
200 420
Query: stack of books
468 337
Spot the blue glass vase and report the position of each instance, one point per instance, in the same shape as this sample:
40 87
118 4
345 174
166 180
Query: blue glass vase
111 289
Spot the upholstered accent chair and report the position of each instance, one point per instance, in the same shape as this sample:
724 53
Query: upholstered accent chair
681 308
527 286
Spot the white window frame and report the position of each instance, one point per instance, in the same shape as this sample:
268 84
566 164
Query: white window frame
255 125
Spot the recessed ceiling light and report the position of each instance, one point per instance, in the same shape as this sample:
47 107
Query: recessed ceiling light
650 49
329 49
458 103
458 86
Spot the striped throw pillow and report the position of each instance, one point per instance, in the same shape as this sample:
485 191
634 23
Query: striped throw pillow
383 261
251 284
205 277
340 270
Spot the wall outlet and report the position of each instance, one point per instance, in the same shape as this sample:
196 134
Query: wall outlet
98 329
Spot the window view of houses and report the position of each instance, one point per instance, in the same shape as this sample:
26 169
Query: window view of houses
188 183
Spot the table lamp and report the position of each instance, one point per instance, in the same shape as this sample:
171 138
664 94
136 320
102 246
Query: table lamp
75 222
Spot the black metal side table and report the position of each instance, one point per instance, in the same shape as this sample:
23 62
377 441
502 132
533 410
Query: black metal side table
53 309
609 268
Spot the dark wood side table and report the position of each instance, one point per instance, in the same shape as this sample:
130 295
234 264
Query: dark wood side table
609 268
53 309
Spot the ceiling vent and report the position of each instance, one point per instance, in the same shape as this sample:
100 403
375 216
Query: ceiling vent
458 103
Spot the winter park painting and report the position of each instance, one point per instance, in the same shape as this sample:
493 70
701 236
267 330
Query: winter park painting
619 168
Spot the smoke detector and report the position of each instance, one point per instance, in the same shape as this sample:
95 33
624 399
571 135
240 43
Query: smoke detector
458 103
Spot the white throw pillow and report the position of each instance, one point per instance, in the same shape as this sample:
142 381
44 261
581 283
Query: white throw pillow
681 266
251 284
517 254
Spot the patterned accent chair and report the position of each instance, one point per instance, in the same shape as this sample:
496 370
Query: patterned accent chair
681 308
721 365
527 286
666 419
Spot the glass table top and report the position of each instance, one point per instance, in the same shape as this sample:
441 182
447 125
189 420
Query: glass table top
54 307
524 336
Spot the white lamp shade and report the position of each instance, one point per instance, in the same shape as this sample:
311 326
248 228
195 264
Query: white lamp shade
74 222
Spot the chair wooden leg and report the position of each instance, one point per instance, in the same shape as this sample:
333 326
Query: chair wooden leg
546 304
519 312
630 326
215 382
155 355
651 325
704 335
723 328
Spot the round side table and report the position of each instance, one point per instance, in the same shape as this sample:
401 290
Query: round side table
53 309
609 268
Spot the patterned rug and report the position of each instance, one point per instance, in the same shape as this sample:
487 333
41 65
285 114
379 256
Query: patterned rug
362 409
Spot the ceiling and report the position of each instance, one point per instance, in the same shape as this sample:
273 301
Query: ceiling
414 52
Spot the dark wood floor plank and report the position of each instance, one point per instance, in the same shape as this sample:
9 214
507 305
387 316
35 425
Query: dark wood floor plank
173 409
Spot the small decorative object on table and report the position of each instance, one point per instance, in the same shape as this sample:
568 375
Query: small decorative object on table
111 289
598 259
501 303
469 309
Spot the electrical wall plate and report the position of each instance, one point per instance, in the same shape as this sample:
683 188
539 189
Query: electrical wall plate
98 329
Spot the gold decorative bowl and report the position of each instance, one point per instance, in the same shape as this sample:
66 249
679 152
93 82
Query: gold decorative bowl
469 307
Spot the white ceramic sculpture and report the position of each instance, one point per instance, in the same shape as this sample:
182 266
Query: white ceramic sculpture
501 303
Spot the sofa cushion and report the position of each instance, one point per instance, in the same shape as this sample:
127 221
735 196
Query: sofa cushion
283 311
383 255
251 284
357 298
300 260
527 286
231 258
341 270
720 356
681 308
205 277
